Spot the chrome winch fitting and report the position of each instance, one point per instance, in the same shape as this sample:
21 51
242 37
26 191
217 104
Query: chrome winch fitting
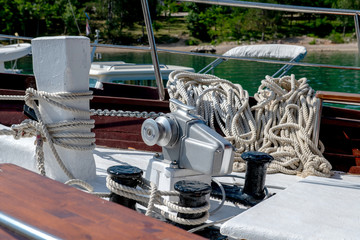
188 142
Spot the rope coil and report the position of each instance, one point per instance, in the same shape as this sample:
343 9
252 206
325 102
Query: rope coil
285 115
281 123
220 100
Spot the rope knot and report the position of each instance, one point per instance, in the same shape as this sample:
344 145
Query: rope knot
27 128
30 97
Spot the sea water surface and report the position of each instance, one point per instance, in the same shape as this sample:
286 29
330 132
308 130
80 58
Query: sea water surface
250 74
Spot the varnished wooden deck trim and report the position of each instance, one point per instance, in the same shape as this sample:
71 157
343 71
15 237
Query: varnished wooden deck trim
338 96
68 213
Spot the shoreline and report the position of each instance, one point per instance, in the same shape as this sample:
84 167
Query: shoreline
321 45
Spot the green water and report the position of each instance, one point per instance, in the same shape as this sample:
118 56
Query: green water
249 74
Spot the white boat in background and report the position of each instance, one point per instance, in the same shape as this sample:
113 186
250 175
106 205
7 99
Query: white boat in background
294 53
12 53
128 73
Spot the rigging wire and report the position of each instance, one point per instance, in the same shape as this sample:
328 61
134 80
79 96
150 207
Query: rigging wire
72 11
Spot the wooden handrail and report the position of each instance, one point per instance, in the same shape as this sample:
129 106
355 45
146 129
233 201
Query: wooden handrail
338 96
335 97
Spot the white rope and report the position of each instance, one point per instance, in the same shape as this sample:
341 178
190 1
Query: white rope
282 124
149 195
66 134
217 99
285 116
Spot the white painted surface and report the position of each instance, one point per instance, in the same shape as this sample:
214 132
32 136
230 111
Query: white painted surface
123 72
268 51
313 208
61 64
13 52
19 152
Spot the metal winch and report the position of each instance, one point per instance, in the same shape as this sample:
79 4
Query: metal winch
188 142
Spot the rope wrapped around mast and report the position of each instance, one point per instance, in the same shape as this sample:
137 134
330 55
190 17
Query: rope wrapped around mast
282 123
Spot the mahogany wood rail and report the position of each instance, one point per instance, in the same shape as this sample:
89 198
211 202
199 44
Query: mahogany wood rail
338 96
68 213
335 97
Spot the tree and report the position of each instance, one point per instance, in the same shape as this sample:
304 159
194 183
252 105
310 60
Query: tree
125 13
8 12
346 4
39 17
207 22
167 7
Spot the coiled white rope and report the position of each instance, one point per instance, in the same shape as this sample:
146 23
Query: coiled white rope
285 116
282 124
220 100
150 196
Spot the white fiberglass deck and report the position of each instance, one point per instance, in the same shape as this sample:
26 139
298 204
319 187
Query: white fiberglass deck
313 208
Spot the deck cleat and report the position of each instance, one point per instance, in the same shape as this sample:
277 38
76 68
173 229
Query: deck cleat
253 191
192 194
126 175
257 163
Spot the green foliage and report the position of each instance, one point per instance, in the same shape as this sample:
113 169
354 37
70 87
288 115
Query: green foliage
167 7
336 37
197 22
192 42
218 23
70 27
313 42
39 17
156 26
124 14
166 39
121 21
8 12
